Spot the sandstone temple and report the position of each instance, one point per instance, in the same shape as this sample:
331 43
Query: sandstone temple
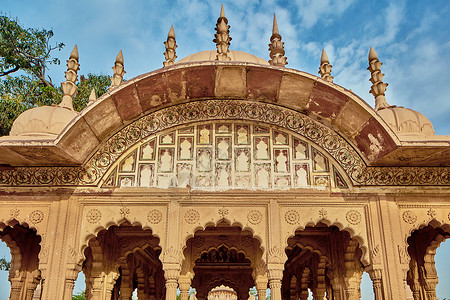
223 169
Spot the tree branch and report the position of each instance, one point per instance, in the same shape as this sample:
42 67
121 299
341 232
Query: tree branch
10 71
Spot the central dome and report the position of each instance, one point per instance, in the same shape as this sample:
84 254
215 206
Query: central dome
233 55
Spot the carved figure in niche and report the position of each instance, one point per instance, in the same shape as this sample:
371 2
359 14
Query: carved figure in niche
302 179
204 136
204 161
280 139
300 151
167 139
185 152
166 161
146 175
282 182
223 128
126 181
320 162
242 162
321 180
128 163
242 181
281 162
184 175
223 177
147 152
262 178
204 181
261 152
242 135
223 149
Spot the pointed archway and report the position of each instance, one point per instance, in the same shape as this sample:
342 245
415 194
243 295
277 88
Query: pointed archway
24 244
121 259
222 255
324 260
422 276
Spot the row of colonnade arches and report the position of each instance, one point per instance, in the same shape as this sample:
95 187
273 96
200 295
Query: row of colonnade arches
320 259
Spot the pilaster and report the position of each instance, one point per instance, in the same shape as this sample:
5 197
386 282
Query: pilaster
393 249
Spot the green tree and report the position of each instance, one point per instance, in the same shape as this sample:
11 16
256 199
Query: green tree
79 296
4 264
29 50
26 49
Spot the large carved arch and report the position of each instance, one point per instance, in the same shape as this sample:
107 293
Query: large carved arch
303 95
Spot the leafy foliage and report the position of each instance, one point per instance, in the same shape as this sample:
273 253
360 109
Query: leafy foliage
4 264
27 51
79 296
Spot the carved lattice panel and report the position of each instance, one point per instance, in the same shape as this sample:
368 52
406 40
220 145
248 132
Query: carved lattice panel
223 156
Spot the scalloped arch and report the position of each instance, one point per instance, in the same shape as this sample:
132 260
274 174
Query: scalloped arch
361 241
106 225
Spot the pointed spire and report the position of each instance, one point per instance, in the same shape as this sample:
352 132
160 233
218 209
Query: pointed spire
92 96
276 47
171 32
275 25
378 86
74 53
69 87
372 54
119 71
222 12
222 37
325 67
170 45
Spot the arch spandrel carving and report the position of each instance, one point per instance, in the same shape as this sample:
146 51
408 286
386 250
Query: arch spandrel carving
226 154
95 219
351 220
327 141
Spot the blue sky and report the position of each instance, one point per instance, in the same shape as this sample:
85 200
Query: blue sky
412 39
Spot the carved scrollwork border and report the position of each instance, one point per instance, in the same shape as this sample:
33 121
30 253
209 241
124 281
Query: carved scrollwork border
330 141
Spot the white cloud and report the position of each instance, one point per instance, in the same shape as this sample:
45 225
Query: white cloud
313 11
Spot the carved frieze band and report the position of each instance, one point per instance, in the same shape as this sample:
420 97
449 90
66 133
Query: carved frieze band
327 139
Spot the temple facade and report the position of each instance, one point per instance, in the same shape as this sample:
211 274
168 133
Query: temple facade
224 169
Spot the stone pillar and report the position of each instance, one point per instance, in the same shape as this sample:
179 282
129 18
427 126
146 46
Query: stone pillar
184 283
16 287
321 288
275 275
386 221
171 258
261 286
375 275
71 276
171 273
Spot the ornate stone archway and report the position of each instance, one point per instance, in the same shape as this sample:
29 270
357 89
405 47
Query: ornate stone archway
24 244
223 255
121 259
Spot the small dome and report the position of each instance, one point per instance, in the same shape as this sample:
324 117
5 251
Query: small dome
42 121
234 55
406 121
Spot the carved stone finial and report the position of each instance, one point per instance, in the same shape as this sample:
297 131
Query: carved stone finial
119 71
378 86
92 96
171 45
69 87
325 67
276 47
222 37
222 12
